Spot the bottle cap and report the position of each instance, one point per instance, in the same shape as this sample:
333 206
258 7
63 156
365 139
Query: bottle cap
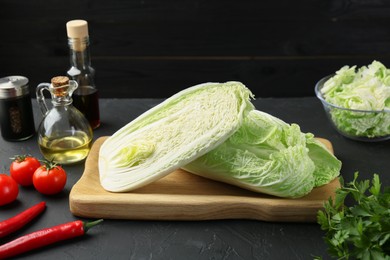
77 29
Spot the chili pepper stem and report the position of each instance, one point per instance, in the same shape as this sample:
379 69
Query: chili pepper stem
91 224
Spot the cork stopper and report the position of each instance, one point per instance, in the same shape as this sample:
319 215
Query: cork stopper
59 81
77 29
60 86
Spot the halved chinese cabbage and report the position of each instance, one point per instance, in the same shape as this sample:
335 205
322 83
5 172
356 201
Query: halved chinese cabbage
172 134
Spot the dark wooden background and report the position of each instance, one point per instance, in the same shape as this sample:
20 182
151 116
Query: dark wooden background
154 48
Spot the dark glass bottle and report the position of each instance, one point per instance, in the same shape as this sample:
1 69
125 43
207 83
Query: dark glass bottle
86 97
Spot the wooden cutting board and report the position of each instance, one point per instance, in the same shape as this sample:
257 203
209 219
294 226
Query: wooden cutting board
184 196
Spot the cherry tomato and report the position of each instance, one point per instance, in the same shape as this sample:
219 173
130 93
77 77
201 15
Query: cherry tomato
22 169
49 178
9 189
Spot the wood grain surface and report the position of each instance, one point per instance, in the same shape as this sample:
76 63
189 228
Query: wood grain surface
184 196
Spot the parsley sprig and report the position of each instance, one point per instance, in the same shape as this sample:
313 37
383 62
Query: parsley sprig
362 230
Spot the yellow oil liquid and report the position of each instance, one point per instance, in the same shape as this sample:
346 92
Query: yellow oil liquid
66 150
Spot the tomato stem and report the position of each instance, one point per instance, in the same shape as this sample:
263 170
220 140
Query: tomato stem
49 164
20 158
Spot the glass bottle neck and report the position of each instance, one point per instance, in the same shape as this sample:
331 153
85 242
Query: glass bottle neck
62 102
62 95
79 53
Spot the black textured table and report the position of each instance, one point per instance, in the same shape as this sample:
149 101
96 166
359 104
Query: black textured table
225 239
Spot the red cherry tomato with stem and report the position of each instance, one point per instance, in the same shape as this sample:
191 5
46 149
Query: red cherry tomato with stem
50 178
9 189
22 169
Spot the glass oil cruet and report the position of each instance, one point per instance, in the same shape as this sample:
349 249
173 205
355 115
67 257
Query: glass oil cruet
64 135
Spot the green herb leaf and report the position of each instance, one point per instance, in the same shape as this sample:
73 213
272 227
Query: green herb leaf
360 231
376 185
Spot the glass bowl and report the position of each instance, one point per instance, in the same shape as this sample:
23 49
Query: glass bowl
361 125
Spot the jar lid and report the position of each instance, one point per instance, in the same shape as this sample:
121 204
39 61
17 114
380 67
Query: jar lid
13 86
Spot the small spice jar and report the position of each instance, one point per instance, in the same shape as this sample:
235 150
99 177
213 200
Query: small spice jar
16 114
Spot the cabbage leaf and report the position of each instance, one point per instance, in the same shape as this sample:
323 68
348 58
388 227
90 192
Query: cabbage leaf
269 156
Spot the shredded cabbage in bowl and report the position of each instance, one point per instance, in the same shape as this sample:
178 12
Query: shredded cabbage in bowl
358 101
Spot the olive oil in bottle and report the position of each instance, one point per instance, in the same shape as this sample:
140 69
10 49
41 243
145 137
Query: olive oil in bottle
64 134
68 149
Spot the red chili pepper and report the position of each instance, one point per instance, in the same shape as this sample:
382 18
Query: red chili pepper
12 224
45 237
